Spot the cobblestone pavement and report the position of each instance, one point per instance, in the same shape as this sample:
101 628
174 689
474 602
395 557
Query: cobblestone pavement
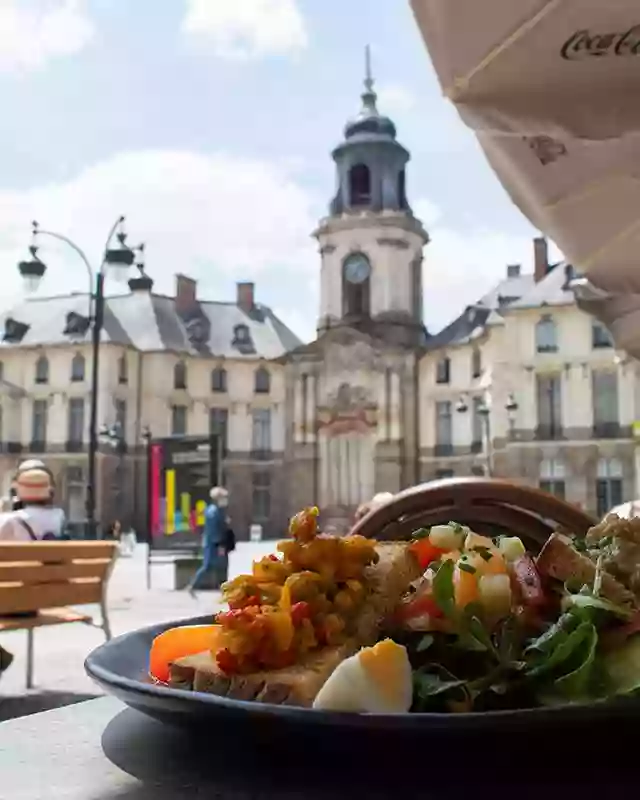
60 651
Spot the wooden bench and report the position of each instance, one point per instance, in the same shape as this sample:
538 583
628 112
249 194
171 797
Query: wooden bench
48 577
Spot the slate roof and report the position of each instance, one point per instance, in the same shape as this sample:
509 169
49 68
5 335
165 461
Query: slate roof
150 322
511 293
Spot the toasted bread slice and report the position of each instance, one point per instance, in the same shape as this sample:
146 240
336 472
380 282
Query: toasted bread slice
389 579
560 560
296 685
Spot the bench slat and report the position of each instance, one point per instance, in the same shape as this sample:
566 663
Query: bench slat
52 616
55 552
47 595
32 573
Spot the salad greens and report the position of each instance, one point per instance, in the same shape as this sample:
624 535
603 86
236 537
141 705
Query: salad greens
478 668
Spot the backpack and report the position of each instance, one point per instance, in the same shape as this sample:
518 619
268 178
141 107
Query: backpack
31 532
229 540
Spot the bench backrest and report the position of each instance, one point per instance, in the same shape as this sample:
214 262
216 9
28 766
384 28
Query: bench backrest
39 575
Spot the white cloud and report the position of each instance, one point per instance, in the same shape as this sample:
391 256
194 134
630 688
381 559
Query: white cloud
393 98
216 217
241 29
223 218
32 35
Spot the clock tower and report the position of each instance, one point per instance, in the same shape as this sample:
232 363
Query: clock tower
371 244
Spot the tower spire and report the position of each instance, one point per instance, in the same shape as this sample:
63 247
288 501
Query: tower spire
369 96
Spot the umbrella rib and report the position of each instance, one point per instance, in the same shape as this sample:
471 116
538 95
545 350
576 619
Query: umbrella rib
590 189
619 237
460 84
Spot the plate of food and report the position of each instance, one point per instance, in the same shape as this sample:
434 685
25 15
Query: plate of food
447 627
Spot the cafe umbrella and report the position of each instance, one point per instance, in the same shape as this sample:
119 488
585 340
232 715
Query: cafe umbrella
559 67
549 86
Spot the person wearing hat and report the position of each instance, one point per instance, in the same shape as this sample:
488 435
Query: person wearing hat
215 541
34 516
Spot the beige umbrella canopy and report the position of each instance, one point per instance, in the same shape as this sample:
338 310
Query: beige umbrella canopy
551 88
560 67
584 195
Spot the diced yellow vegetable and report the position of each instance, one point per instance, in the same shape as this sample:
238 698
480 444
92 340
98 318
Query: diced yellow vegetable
465 586
488 562
512 548
494 592
445 537
475 540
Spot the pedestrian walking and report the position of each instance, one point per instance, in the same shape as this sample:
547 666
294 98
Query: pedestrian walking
215 541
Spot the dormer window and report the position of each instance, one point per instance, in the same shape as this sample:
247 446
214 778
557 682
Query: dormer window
180 375
77 368
42 370
14 331
75 324
262 381
241 334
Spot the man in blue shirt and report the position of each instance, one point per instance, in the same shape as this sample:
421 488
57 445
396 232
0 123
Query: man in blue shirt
215 552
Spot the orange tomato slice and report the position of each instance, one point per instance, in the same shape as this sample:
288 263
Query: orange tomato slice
175 643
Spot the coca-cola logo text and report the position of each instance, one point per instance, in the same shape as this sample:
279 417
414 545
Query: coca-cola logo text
584 44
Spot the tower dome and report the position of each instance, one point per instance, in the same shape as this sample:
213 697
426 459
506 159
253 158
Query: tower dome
370 161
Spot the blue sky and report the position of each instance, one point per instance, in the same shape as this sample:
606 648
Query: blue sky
210 124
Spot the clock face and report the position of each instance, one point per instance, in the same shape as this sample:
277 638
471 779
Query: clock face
357 268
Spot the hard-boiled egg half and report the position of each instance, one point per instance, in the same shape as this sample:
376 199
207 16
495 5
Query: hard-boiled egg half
376 680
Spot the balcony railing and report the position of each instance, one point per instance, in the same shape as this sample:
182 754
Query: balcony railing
607 430
262 455
549 433
36 446
444 450
72 446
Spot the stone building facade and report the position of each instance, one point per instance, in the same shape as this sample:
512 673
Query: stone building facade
522 384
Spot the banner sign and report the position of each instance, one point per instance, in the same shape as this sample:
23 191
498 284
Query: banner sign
182 470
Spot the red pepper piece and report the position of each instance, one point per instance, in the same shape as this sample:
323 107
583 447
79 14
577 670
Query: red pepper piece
526 583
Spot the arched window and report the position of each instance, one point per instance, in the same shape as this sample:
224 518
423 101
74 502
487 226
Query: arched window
42 370
180 375
77 368
402 189
546 335
262 381
219 379
476 363
123 370
360 185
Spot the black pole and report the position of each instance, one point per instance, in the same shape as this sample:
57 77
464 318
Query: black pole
149 442
98 320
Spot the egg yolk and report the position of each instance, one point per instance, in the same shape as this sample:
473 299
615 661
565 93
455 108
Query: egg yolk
385 664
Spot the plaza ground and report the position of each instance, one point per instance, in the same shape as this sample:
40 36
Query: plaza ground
60 651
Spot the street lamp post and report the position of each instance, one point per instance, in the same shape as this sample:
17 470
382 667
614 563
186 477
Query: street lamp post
114 437
119 259
147 440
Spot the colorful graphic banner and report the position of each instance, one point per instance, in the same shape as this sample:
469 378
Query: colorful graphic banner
182 471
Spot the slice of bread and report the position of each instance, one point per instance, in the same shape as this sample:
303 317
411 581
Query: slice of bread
560 560
388 580
296 685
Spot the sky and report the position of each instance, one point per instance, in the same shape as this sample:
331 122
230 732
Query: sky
210 124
